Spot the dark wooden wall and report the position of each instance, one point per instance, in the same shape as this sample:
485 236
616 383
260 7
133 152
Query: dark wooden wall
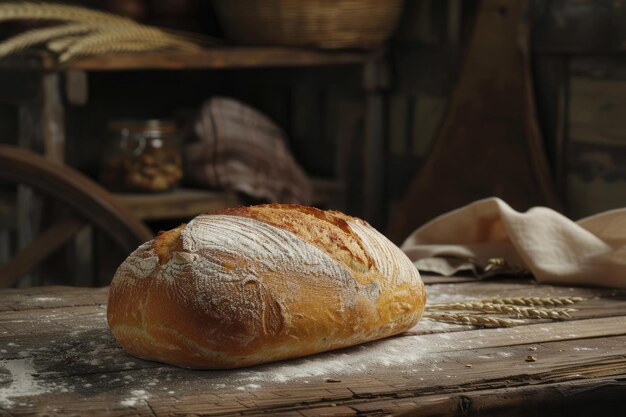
579 69
580 72
426 53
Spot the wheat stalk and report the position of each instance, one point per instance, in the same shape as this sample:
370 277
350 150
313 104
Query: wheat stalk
45 11
61 44
482 321
106 32
529 312
96 42
528 307
36 36
535 301
121 47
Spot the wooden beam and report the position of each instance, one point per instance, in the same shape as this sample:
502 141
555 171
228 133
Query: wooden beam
53 118
209 58
217 58
376 81
37 250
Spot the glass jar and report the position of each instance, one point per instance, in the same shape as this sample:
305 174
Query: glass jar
141 155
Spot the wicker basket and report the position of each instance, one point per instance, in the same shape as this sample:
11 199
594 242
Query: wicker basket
331 24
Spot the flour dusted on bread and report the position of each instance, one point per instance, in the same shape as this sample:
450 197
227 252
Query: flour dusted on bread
258 284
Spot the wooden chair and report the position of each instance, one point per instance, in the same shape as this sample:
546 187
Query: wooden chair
88 203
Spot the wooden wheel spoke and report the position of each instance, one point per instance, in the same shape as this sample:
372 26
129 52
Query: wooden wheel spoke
74 191
38 249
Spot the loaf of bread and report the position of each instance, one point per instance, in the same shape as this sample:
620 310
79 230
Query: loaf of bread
257 284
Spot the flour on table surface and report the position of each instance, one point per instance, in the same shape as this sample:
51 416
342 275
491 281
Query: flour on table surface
136 396
46 299
390 353
20 382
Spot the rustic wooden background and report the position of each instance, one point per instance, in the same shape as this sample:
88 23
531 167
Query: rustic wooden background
579 70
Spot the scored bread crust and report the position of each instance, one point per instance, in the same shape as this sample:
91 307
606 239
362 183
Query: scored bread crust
250 285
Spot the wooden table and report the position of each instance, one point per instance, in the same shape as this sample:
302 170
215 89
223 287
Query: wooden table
57 356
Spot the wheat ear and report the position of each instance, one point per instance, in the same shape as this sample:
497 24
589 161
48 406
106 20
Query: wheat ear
91 44
512 310
535 301
123 47
36 36
481 321
45 11
61 44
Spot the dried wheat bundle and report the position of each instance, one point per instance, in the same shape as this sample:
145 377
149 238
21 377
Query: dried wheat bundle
520 307
61 44
100 32
481 321
108 48
535 301
17 10
115 40
37 36
517 311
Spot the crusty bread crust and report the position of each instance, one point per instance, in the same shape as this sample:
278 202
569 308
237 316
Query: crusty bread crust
258 284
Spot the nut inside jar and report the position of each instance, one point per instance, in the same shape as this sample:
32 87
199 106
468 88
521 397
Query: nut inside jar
142 156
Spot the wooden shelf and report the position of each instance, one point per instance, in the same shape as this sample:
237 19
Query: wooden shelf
41 84
209 58
179 203
187 203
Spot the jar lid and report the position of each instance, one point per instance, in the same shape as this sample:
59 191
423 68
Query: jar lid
134 125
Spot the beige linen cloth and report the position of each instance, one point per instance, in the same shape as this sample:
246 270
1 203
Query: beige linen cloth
488 236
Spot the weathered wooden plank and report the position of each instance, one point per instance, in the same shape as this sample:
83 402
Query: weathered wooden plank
595 177
76 87
375 150
508 287
575 398
81 319
186 203
598 66
551 77
171 389
52 118
37 250
596 111
427 117
376 80
398 124
348 137
178 204
306 123
50 297
211 58
583 26
28 206
70 363
440 279
214 58
455 12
